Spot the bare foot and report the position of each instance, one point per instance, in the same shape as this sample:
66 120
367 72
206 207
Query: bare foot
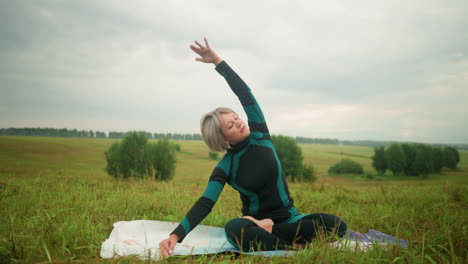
266 223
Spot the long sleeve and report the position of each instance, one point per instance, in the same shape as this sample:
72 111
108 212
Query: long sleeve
254 113
205 203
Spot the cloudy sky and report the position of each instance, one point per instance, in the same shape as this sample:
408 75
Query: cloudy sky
376 70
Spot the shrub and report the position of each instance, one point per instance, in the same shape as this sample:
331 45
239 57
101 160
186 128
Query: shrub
113 159
378 160
308 173
161 155
213 155
369 175
451 157
410 153
437 160
346 166
177 147
395 157
290 155
135 157
127 158
423 164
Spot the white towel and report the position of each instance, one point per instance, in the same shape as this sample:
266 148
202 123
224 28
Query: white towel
141 238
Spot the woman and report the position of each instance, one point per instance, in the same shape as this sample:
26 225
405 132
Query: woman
270 221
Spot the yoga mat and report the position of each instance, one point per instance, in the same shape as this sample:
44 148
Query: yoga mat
141 238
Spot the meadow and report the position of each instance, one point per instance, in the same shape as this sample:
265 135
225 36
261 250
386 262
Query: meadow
57 204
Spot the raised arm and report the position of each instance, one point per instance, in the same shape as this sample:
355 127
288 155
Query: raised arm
254 113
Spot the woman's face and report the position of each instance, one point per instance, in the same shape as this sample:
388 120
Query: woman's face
233 128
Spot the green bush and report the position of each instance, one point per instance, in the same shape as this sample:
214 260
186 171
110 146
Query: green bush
413 159
423 163
410 151
437 160
177 147
290 155
113 159
127 158
162 157
135 157
213 155
346 166
308 173
378 160
451 157
396 158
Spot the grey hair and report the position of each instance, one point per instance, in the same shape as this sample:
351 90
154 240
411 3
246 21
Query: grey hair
210 126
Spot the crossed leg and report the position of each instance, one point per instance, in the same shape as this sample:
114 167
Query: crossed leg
248 233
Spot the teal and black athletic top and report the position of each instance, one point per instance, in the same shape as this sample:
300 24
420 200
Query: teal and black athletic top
251 167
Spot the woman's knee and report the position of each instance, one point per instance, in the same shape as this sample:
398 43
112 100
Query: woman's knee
336 225
341 227
331 223
234 230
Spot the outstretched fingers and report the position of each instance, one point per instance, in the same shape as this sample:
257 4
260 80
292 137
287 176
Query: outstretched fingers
207 55
195 49
206 43
199 45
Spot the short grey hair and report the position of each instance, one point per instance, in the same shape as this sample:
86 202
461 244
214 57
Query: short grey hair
210 126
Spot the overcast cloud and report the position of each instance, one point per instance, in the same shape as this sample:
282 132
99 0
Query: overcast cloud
377 70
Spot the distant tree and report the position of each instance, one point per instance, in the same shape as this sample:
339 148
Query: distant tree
134 156
213 155
162 156
346 166
113 160
410 152
133 159
177 147
437 160
290 156
308 173
114 134
149 135
378 160
395 158
451 157
423 161
100 134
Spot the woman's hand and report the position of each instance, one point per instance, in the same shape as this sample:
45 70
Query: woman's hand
206 53
167 245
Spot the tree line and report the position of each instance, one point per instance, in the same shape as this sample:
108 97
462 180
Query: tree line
51 132
367 143
414 159
63 132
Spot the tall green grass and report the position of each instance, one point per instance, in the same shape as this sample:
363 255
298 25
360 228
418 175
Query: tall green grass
58 205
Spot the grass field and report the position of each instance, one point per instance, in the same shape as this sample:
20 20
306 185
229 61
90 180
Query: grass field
57 205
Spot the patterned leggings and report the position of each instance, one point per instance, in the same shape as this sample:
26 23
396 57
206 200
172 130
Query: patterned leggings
245 235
